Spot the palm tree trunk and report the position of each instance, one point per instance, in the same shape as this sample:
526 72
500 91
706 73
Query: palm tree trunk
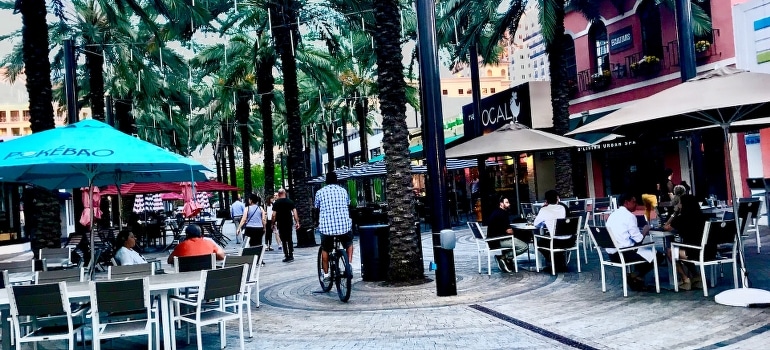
223 153
560 102
331 165
405 259
42 205
231 156
286 36
362 109
265 87
345 148
242 112
123 116
95 67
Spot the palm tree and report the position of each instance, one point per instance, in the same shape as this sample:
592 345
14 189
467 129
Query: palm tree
405 260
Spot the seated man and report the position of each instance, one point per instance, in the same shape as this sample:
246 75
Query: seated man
195 244
499 225
552 210
622 225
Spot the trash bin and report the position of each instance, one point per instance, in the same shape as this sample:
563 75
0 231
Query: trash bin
375 255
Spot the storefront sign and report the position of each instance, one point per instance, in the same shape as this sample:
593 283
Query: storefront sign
497 110
621 40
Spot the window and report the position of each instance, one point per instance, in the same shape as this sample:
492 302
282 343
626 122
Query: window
15 132
484 90
26 115
27 131
489 72
469 91
652 39
445 92
502 73
460 91
492 90
2 117
3 132
15 117
600 56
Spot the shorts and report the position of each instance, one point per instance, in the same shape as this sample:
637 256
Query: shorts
327 241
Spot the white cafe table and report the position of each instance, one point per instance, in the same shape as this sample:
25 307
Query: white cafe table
665 237
160 285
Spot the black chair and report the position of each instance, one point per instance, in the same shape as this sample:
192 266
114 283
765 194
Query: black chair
751 206
252 280
195 262
715 234
216 284
125 297
564 227
602 241
47 307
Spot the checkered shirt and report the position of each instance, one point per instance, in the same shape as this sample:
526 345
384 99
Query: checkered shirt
333 219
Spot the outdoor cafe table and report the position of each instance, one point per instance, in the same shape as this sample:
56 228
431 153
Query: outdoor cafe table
160 285
525 232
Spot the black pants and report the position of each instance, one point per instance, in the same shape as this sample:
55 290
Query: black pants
641 269
286 241
255 235
269 233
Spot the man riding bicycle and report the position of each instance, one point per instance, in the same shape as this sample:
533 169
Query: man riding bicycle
333 219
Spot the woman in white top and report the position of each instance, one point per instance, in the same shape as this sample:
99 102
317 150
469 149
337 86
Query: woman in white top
269 224
126 255
253 221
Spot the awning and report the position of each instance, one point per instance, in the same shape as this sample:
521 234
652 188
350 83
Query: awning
415 152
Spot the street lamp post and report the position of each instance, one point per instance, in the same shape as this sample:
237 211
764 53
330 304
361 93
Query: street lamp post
433 139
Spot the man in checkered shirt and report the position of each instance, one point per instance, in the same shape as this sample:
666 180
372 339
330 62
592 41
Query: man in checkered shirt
333 219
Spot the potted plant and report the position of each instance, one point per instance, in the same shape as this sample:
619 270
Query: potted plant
601 79
647 66
702 46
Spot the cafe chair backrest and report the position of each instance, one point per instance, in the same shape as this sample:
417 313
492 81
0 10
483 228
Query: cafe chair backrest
194 263
719 232
602 237
475 227
257 250
223 282
39 300
249 260
748 205
69 275
122 296
577 205
130 271
18 266
566 226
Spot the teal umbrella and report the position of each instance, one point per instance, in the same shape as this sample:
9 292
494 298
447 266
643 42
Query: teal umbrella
89 153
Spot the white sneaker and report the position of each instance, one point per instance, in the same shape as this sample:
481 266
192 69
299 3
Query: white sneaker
327 278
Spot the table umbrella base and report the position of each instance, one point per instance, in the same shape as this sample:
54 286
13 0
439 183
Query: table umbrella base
744 297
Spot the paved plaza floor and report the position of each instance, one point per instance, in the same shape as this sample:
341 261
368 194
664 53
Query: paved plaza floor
498 311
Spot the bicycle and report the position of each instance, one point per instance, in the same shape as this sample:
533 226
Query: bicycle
340 271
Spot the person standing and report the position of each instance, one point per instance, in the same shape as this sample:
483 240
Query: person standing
236 213
269 223
333 219
285 218
499 225
253 222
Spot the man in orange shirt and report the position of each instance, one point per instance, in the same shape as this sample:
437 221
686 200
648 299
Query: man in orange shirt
194 244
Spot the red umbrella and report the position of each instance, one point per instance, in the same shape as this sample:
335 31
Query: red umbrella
212 185
85 217
191 207
142 188
171 196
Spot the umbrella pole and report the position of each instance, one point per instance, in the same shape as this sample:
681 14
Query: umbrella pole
120 209
516 182
745 296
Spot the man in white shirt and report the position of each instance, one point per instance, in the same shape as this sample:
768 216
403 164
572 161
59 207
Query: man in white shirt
547 217
623 228
236 212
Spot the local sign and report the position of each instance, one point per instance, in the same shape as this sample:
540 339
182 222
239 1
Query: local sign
621 40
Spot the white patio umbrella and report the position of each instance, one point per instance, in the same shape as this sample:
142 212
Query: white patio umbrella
513 138
723 98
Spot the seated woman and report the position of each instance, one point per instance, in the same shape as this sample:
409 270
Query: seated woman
126 255
688 224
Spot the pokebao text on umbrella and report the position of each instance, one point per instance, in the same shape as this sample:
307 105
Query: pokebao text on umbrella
61 151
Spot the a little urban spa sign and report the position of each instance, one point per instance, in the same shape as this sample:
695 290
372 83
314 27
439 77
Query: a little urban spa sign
497 110
621 40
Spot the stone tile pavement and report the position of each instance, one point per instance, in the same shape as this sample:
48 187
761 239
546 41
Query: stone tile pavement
501 311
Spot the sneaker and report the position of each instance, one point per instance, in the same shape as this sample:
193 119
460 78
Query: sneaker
270 249
290 259
327 278
501 264
286 259
280 248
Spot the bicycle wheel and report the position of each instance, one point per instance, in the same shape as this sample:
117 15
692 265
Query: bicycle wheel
344 275
325 286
